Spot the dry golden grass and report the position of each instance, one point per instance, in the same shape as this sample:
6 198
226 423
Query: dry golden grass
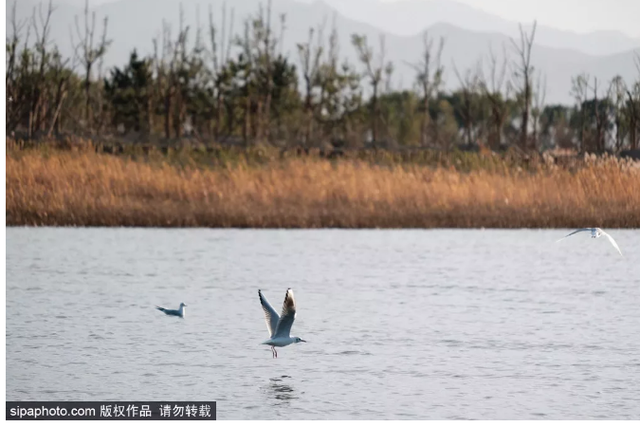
88 189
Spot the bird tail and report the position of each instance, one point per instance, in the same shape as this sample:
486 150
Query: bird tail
160 308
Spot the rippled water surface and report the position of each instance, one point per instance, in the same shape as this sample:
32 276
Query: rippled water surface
411 324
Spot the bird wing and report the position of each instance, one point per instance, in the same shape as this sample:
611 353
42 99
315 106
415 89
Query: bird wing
287 316
169 312
270 315
613 242
574 232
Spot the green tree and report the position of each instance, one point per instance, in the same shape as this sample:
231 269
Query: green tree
129 92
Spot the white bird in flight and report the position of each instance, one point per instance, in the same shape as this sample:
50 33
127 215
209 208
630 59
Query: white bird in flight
595 233
179 312
279 327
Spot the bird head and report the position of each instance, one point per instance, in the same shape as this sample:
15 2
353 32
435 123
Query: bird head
182 305
298 339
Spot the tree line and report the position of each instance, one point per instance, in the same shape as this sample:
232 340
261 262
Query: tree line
217 84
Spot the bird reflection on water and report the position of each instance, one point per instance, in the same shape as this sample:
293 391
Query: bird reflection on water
280 390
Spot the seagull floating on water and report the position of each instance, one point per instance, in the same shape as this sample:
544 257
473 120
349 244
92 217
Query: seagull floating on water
595 233
179 312
279 327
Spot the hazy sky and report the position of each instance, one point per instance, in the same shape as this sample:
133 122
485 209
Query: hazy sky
575 15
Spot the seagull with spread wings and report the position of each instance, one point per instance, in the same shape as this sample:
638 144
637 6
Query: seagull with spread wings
595 233
279 327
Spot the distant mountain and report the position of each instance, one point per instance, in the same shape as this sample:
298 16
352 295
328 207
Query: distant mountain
408 17
134 23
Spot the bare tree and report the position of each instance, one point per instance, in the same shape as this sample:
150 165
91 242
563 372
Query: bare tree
220 61
14 101
523 79
384 116
580 92
617 92
259 49
469 87
12 44
373 70
158 69
496 88
61 75
539 97
167 68
248 65
263 128
429 79
40 23
88 53
633 96
601 116
215 128
340 92
310 55
178 66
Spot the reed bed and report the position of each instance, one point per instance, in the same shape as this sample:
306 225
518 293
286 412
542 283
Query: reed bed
64 188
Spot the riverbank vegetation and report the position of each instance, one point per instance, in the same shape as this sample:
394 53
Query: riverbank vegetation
261 189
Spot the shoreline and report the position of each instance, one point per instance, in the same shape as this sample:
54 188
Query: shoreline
309 229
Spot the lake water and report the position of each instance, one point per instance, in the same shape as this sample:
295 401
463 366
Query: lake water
416 324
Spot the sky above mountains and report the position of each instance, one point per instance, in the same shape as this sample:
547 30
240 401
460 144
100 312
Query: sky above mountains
572 15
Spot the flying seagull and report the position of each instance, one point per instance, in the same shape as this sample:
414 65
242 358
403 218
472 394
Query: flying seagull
179 312
279 327
595 233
